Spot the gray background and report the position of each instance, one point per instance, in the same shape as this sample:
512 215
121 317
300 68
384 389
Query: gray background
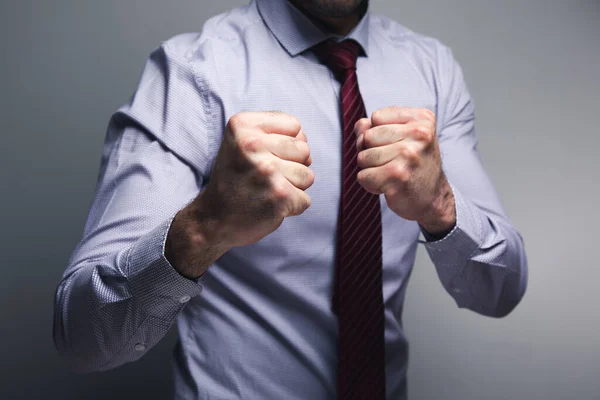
533 68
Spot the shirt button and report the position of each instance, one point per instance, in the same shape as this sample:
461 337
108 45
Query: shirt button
457 290
140 347
184 299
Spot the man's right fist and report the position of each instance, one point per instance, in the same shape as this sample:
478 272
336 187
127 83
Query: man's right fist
259 177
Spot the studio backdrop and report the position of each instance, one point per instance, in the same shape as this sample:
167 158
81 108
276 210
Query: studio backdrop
533 68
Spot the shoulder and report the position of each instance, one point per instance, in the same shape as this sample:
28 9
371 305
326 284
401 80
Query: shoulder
222 30
433 59
424 48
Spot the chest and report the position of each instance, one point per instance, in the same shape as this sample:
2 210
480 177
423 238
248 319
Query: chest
306 89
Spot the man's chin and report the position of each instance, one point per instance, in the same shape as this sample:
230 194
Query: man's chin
334 8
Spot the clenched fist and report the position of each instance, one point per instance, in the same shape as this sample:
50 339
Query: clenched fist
259 177
399 156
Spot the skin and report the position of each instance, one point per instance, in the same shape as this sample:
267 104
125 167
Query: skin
259 178
399 156
262 170
337 16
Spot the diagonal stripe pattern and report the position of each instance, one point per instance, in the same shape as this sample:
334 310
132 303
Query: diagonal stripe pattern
357 298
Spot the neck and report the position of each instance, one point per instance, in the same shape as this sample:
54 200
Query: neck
337 25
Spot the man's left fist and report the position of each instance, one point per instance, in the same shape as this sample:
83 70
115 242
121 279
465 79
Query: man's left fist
399 156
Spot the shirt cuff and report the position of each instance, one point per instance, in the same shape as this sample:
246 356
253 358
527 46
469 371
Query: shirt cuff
153 281
450 253
466 236
431 237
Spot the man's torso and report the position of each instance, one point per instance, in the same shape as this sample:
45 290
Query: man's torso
263 327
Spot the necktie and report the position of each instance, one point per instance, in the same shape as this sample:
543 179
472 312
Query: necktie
358 298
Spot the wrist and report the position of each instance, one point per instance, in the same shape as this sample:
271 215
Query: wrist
193 241
207 226
440 218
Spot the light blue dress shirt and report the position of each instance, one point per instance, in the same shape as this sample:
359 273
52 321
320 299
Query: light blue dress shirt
258 324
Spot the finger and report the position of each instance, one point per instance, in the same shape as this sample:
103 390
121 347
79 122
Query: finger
408 152
360 142
387 134
421 131
267 121
391 177
362 125
381 155
400 115
302 136
297 174
287 148
359 128
383 135
299 203
371 179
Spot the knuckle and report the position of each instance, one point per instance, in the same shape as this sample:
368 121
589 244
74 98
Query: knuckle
301 173
427 114
403 176
250 143
304 202
415 129
429 131
422 132
308 202
370 136
265 167
376 115
408 153
361 158
309 176
366 139
294 121
398 172
236 120
360 143
390 190
428 135
279 193
362 177
305 177
300 204
303 149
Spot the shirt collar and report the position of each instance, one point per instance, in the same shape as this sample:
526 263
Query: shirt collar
296 32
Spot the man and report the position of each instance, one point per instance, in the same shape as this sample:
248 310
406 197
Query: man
282 241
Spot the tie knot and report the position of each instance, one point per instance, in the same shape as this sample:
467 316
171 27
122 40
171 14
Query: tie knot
338 56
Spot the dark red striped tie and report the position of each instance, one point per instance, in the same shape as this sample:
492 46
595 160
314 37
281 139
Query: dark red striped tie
358 298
